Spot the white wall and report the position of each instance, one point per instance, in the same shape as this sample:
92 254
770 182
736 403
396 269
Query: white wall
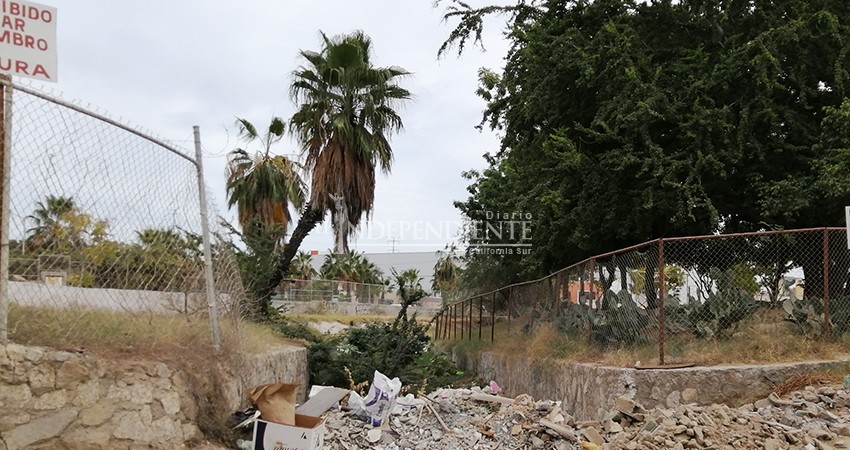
53 296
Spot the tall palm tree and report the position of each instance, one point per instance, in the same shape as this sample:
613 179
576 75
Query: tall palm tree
301 268
346 114
47 219
263 185
446 270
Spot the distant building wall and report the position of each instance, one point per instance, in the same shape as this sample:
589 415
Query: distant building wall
29 293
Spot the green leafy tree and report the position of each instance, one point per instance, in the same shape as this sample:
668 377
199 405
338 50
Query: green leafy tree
625 121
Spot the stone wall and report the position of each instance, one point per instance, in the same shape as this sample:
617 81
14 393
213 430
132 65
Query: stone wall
589 390
53 399
63 400
284 364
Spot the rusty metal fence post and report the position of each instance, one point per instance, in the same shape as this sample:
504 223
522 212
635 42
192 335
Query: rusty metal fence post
480 315
471 303
462 318
454 321
661 301
446 324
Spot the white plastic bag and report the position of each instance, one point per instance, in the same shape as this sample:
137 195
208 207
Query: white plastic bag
381 399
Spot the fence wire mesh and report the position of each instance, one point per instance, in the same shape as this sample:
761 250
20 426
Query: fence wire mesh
298 290
669 293
105 243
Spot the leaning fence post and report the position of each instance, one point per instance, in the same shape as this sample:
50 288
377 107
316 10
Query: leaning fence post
205 235
661 301
5 204
827 319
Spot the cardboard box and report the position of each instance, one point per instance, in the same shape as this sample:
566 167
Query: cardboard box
308 433
275 401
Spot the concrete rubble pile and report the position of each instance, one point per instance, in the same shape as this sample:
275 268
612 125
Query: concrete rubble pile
814 418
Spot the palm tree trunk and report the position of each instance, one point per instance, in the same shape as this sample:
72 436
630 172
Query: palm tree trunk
309 219
340 224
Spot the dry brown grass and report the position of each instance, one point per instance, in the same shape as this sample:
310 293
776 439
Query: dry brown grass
798 382
140 337
763 340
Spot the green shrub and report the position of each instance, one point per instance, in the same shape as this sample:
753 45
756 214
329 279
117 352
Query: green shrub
400 349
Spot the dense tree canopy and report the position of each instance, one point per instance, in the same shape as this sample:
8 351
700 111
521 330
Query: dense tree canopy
625 121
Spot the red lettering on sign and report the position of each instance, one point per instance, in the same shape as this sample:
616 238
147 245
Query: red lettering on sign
40 70
21 67
17 25
23 40
25 11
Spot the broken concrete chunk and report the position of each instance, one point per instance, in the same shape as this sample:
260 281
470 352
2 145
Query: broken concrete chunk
624 405
592 435
763 403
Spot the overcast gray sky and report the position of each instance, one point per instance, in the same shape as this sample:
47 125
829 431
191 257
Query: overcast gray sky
168 65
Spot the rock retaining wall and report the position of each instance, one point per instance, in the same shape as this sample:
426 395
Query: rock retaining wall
589 390
284 364
63 400
60 400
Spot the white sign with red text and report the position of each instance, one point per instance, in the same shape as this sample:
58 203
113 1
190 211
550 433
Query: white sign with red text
28 40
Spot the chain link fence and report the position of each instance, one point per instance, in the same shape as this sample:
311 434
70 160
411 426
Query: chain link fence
783 285
297 290
106 244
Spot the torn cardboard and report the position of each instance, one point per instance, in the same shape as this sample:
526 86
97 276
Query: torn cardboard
276 402
324 399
